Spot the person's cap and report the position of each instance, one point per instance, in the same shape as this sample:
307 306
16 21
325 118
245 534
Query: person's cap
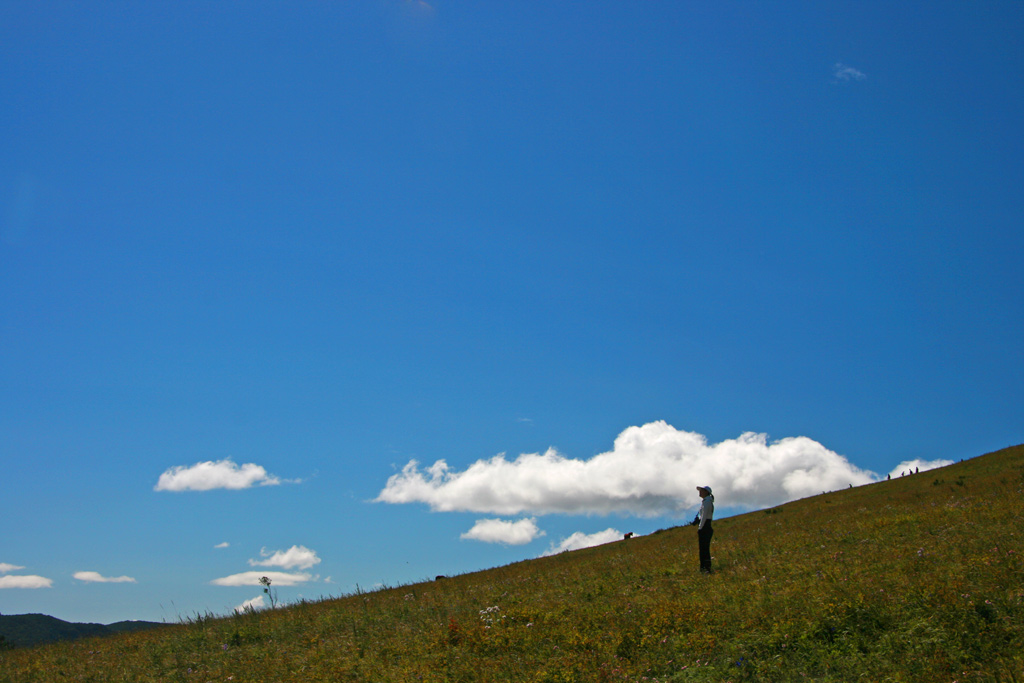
704 488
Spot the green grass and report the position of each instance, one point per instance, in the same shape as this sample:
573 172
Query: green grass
915 579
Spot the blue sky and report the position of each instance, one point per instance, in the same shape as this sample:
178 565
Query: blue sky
360 293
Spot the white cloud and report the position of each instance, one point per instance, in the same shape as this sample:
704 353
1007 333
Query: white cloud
502 531
225 544
5 568
255 603
253 579
841 72
418 8
918 464
581 540
28 581
223 474
95 577
651 470
296 557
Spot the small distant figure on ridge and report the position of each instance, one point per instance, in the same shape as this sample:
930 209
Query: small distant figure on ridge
704 530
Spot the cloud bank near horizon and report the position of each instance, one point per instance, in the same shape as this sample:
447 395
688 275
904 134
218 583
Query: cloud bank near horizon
209 475
581 540
254 604
918 465
651 470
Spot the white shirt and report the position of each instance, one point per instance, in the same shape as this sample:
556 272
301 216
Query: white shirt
707 510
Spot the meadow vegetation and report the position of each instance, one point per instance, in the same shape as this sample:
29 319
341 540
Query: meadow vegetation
916 579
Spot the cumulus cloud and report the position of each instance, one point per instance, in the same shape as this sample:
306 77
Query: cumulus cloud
255 603
5 568
26 581
504 531
253 579
223 474
841 72
296 557
918 464
581 540
96 577
225 544
651 470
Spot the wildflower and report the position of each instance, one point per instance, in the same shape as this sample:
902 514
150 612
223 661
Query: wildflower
486 615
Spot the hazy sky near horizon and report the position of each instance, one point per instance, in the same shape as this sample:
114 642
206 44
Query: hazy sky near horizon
359 293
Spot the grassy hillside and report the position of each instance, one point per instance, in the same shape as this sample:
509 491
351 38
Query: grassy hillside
915 579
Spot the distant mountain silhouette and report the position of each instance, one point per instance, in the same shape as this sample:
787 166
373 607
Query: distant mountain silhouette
25 630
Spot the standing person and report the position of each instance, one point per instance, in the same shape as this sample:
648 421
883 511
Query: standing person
704 530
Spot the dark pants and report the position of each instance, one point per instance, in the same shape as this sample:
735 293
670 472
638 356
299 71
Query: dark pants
704 541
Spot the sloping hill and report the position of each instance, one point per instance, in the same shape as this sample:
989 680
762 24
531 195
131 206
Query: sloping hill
916 579
23 630
131 626
26 630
